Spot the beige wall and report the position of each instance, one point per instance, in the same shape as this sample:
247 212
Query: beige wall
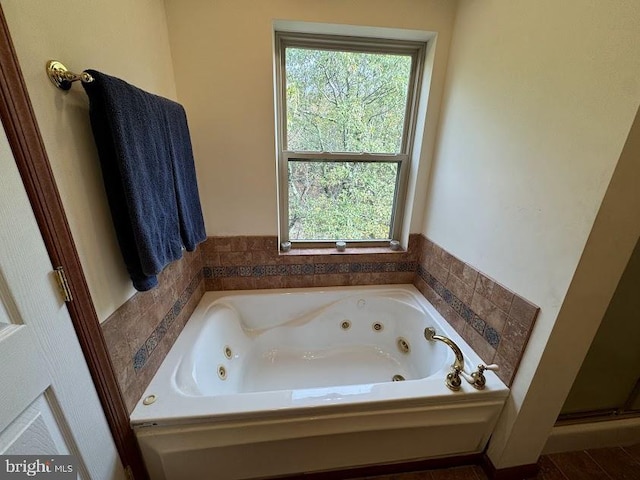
538 103
223 53
124 38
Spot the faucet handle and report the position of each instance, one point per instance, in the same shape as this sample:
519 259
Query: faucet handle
477 378
493 367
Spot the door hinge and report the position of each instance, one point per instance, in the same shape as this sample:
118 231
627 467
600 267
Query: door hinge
63 284
129 473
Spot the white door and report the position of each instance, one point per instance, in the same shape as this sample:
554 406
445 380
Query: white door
48 404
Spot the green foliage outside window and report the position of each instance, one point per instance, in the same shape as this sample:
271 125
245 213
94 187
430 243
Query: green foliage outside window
343 102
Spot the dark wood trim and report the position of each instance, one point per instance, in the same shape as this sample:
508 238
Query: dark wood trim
512 473
22 130
387 468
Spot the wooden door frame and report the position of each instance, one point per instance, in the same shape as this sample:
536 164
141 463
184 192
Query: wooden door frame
26 143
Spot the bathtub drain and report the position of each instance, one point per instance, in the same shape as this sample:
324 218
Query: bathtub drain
345 325
398 378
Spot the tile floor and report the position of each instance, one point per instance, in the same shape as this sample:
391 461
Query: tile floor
598 464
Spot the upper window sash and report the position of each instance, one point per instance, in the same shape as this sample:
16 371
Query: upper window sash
414 50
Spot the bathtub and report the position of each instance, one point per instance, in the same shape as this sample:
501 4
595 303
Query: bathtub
280 382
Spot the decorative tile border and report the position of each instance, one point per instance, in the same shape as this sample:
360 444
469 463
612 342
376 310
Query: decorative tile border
493 320
142 355
471 317
308 269
142 330
253 262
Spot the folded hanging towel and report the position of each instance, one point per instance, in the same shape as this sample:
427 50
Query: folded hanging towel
144 167
192 229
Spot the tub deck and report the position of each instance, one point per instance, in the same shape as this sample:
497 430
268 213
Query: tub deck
300 392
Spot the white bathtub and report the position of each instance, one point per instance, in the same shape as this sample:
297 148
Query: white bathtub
268 383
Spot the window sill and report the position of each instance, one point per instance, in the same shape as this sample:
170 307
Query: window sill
348 251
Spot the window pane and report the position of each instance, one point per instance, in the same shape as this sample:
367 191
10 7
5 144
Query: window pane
340 200
345 101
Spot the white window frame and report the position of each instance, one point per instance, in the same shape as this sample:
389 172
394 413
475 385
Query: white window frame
357 44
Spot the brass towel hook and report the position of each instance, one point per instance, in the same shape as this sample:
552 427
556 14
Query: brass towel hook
62 78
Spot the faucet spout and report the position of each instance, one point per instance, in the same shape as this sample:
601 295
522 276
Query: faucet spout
430 334
453 378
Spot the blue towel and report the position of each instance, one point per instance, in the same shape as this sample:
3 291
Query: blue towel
184 173
145 154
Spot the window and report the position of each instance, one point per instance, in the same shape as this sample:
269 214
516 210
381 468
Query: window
346 114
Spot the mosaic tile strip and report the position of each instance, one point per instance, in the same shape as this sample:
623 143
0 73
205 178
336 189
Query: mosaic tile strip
493 320
308 269
471 317
144 352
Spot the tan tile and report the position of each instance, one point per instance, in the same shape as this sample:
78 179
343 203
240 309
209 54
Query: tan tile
399 277
428 292
295 259
331 280
239 243
209 253
131 394
265 257
415 244
236 258
506 370
171 271
479 344
212 259
439 272
523 311
119 352
441 256
238 283
271 281
486 310
337 257
502 297
449 314
484 285
270 243
298 281
465 273
183 282
140 325
460 289
221 244
255 243
213 284
514 338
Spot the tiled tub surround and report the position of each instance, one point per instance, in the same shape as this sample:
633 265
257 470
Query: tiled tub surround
254 262
140 333
494 321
